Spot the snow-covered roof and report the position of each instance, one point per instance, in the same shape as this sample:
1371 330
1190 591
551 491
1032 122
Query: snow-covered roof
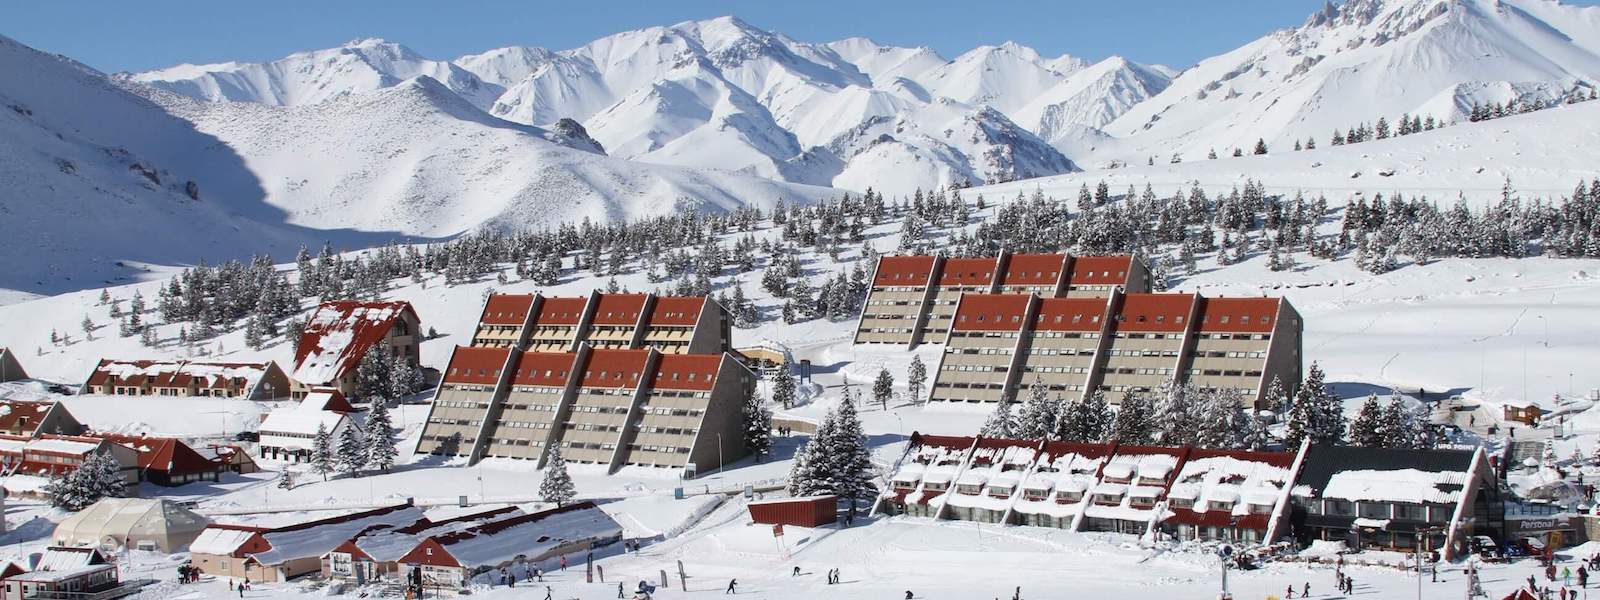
973 478
219 541
528 536
64 559
1118 470
61 445
316 539
178 373
338 334
297 421
1400 485
1110 489
44 576
1144 491
1373 523
389 545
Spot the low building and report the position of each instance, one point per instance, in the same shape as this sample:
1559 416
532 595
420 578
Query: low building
450 561
230 457
1526 412
289 433
339 334
29 418
81 582
133 523
168 461
932 463
809 511
281 553
10 367
50 455
1393 499
765 359
1229 495
187 378
374 554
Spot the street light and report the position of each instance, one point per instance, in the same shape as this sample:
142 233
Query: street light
1223 554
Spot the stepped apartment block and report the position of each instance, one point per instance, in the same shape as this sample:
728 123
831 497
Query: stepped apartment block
1075 325
634 389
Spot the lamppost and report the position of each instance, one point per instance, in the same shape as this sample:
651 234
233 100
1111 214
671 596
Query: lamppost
1422 535
1223 555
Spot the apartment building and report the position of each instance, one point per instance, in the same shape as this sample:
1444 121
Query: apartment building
672 325
1000 344
980 359
608 407
913 298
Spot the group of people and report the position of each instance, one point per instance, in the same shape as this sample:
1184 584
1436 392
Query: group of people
188 573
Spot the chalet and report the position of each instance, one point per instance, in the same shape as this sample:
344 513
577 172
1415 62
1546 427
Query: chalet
986 491
288 433
339 334
230 458
450 561
1230 495
1056 490
282 553
10 367
1390 499
184 378
79 582
925 475
374 553
168 461
29 419
328 399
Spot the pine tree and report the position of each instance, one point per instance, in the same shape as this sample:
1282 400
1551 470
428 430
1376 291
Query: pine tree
381 450
1133 422
404 379
757 425
852 474
557 487
916 376
88 328
1405 427
1325 420
1039 414
1002 423
64 492
883 388
1174 419
1275 398
1370 429
783 388
1221 419
373 374
1261 147
285 480
352 451
105 296
322 452
1086 420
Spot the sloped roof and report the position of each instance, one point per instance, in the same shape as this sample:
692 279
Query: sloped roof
1070 314
967 271
315 538
677 310
696 372
1355 472
1034 269
302 420
1238 315
614 368
1100 270
473 365
13 411
181 373
530 535
619 309
329 399
167 455
1160 313
903 270
561 311
543 368
991 312
506 309
339 333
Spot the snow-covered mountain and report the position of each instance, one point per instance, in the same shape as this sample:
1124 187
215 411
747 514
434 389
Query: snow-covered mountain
1364 59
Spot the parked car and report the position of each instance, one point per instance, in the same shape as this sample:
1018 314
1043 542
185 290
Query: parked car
1485 548
247 436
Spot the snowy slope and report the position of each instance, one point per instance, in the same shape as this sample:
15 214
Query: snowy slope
98 180
318 76
418 159
1091 97
1363 60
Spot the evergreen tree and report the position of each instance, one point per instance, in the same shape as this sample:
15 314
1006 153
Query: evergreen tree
1222 419
373 374
883 388
1132 424
352 451
1086 420
1275 398
1370 429
322 452
1174 419
783 388
98 477
1039 414
1405 427
916 376
852 474
88 328
285 480
404 379
1002 423
757 425
557 487
381 451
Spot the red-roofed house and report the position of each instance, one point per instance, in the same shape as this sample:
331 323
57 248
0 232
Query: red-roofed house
49 455
693 400
187 378
557 323
1039 274
981 359
450 561
687 325
1064 345
30 418
610 383
340 333
671 324
617 320
957 276
168 461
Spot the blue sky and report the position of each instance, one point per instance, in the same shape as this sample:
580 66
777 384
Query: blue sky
124 36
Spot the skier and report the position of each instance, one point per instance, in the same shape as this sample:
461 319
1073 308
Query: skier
1290 593
1306 591
1583 577
909 595
538 574
733 585
796 571
1017 595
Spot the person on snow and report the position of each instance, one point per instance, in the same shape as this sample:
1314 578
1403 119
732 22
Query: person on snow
1583 577
601 571
1306 591
619 589
909 595
796 571
1290 593
563 563
1017 595
733 587
549 594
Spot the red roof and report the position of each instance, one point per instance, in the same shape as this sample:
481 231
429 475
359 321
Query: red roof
1242 315
903 270
561 311
1161 313
619 309
366 324
1276 459
991 443
168 455
1034 269
335 402
677 310
696 372
991 312
967 271
17 409
544 368
1216 518
941 441
1070 314
506 309
435 550
1100 270
614 368
1058 448
476 366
